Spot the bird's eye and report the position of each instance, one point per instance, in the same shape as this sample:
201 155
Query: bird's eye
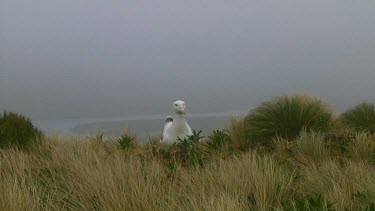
175 104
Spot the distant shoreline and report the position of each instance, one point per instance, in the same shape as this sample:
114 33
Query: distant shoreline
140 124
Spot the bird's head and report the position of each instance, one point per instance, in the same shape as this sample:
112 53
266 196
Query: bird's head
179 107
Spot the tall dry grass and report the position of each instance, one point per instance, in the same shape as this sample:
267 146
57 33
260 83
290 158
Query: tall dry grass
350 186
70 173
362 148
89 175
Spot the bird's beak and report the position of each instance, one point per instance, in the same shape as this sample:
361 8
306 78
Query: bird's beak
182 110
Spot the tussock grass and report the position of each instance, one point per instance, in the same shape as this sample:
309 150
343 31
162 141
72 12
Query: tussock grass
17 131
361 117
286 117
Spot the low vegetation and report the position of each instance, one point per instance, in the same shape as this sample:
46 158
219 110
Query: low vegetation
17 131
361 118
126 141
286 117
306 167
307 173
219 140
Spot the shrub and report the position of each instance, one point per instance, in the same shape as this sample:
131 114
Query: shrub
361 118
17 131
188 150
286 117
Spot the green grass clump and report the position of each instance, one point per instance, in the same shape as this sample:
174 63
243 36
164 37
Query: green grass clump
17 131
126 141
286 117
188 149
218 140
361 118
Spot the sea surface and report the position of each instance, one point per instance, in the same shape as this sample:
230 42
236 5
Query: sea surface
141 125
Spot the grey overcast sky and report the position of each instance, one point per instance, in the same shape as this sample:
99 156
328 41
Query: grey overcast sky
95 58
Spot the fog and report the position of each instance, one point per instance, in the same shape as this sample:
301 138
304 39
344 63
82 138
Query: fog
75 58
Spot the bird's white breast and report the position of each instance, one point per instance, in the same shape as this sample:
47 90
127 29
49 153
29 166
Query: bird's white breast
176 130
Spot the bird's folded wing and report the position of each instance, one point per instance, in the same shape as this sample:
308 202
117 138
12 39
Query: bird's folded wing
166 126
190 131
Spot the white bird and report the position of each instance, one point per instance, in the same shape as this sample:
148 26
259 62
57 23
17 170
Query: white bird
177 126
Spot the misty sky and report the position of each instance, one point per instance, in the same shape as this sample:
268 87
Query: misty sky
94 58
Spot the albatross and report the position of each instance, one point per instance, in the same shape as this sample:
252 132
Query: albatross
176 127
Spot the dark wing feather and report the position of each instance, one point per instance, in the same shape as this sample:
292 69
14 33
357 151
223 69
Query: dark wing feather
167 120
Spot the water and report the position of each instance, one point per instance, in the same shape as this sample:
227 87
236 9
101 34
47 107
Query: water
141 125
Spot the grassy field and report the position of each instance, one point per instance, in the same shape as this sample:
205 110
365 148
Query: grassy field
289 153
332 171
